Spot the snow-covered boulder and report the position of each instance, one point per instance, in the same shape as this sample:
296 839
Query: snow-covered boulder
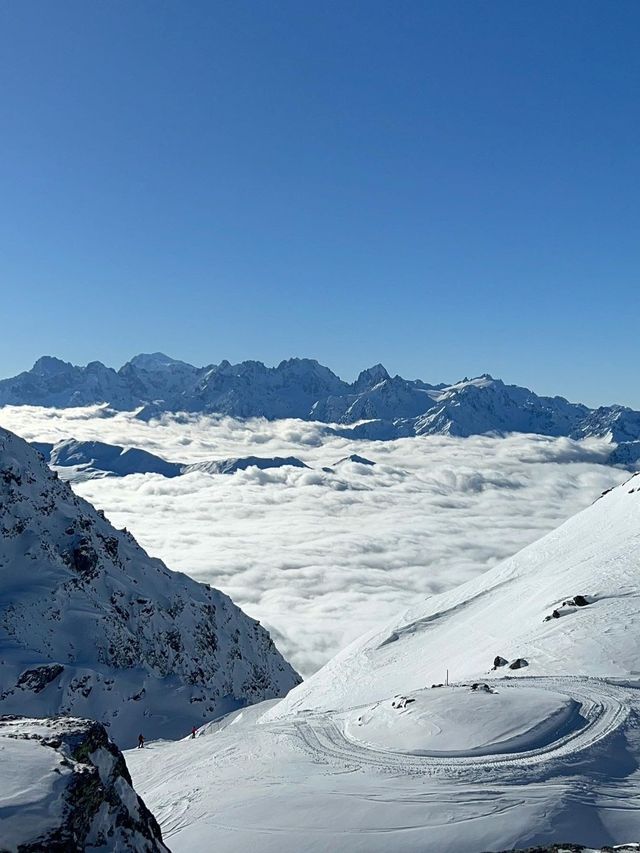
64 786
90 625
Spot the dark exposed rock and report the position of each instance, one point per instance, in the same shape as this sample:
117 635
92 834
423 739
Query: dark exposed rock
482 687
518 663
37 679
84 559
401 702
499 661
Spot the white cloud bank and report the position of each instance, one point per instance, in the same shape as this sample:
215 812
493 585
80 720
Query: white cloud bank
320 558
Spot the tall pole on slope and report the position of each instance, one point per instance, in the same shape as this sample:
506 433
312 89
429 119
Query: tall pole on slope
447 678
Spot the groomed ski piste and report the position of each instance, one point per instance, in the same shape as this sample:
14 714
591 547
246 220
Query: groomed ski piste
567 769
374 753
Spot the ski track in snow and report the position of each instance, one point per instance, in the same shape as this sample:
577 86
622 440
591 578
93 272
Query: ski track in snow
300 783
604 706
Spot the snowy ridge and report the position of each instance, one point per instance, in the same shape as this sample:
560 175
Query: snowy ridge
376 406
76 461
90 625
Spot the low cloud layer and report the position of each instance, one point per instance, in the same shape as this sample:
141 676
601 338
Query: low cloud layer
320 558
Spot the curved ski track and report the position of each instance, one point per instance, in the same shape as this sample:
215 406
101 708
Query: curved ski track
604 707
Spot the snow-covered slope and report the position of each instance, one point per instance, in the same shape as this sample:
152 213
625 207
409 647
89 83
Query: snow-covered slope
504 612
156 377
64 786
90 625
376 752
376 406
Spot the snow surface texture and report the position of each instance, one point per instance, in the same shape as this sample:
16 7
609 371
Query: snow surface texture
90 625
366 756
320 557
391 407
64 786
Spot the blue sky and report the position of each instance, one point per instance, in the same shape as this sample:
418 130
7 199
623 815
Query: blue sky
449 188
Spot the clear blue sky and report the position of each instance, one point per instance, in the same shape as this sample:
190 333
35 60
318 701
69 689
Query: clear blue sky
447 187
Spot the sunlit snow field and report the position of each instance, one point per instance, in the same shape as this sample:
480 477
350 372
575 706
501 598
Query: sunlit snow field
322 557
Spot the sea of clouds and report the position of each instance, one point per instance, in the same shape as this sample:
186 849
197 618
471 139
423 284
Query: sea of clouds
322 557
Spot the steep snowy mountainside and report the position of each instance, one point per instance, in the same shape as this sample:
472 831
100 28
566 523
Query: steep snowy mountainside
90 625
569 604
620 425
487 405
387 399
64 786
250 389
156 376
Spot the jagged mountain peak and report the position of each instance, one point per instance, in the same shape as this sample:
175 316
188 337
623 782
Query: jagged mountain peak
156 361
371 376
48 365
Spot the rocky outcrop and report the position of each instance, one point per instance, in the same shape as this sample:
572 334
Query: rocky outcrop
65 787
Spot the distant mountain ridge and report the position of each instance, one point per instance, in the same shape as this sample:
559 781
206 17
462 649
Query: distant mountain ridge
87 460
376 406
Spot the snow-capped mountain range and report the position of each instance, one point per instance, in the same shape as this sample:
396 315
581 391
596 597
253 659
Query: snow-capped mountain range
91 626
375 406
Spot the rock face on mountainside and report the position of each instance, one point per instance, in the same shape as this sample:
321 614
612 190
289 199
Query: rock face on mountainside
392 407
65 787
567 605
91 626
